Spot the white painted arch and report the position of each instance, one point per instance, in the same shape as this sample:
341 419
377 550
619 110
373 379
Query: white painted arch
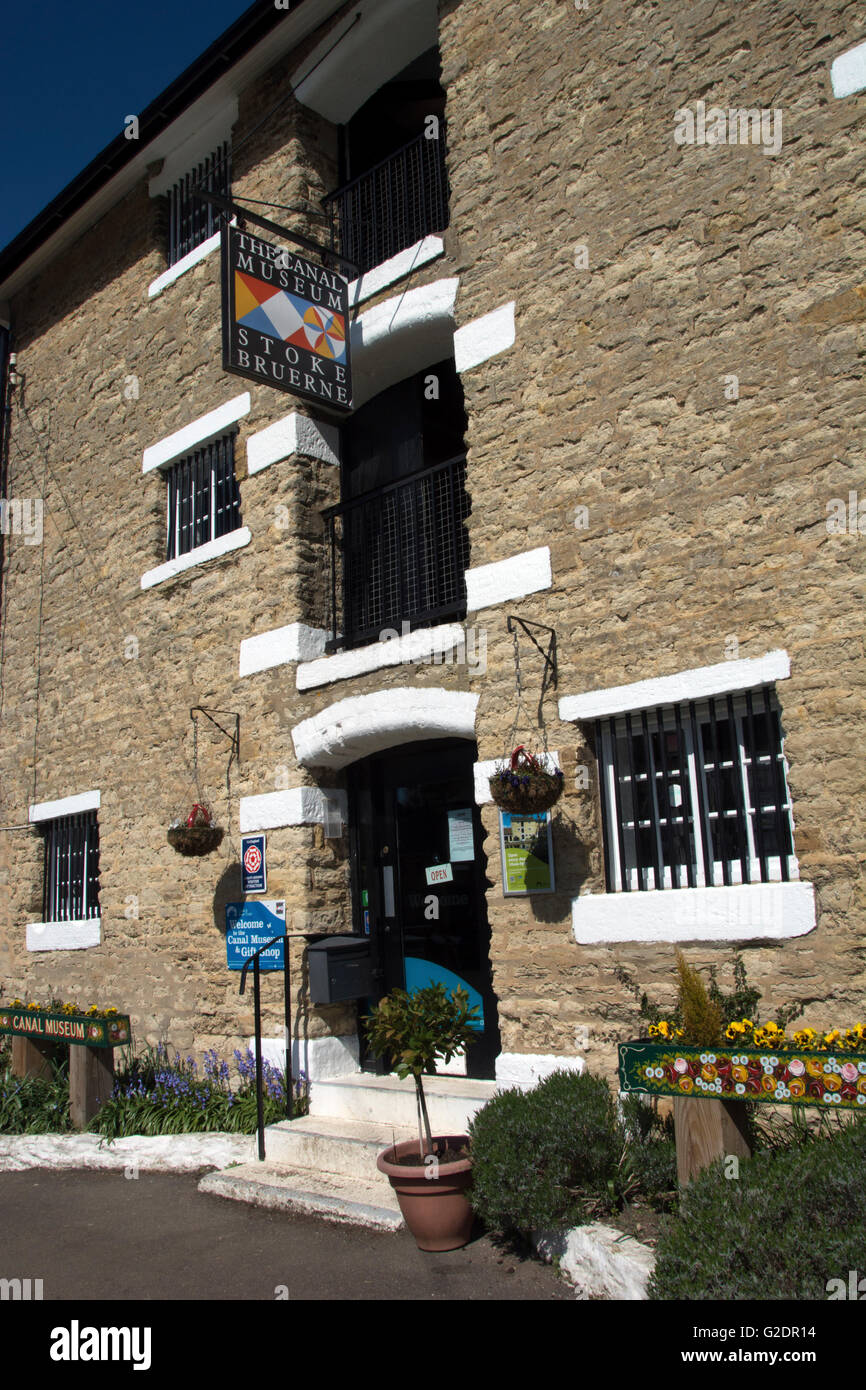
364 724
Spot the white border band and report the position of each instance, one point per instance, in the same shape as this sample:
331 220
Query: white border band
509 579
211 550
193 435
64 936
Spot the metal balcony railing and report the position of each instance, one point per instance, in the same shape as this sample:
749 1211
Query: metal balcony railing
399 554
392 205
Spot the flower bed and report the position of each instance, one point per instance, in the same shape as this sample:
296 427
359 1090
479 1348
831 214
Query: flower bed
787 1075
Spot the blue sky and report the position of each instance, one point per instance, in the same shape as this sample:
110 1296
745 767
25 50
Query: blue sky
72 70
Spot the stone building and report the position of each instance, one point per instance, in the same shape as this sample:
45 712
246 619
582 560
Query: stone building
597 494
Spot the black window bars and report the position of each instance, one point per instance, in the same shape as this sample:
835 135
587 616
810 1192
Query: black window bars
203 497
70 891
695 794
190 220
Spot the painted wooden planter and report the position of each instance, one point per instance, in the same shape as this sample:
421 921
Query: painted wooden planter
777 1077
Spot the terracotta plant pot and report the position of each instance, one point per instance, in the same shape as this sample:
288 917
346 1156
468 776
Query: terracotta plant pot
436 1209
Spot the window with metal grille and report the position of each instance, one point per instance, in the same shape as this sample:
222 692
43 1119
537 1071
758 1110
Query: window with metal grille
696 795
203 497
190 220
71 883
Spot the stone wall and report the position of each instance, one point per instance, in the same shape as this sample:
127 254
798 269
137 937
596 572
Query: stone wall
704 534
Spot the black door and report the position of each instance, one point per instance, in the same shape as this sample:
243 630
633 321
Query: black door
419 877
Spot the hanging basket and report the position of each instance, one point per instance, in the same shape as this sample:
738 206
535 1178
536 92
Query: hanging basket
525 785
197 834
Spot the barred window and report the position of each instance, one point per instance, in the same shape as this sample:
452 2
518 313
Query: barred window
203 497
190 220
696 795
71 883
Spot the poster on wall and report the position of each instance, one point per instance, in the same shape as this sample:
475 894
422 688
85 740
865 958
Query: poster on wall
285 321
526 843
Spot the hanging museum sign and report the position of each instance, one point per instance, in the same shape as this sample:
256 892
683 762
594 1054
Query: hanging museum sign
285 320
526 844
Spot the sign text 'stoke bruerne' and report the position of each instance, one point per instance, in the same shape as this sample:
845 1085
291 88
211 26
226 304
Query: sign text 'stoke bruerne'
285 320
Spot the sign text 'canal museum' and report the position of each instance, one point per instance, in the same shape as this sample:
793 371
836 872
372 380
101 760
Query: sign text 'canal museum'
285 321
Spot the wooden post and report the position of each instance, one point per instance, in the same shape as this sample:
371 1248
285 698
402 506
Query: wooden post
30 1058
707 1130
91 1079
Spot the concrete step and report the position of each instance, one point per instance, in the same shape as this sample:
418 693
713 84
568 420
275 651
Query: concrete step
334 1196
386 1100
350 1147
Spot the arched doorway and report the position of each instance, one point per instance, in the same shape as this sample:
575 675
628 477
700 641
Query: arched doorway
418 881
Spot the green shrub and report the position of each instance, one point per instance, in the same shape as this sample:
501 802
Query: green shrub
649 1162
34 1104
544 1158
792 1221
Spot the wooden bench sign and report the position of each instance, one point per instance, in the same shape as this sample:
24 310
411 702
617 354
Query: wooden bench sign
92 1037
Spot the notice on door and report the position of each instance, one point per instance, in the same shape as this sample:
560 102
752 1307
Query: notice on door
439 873
461 836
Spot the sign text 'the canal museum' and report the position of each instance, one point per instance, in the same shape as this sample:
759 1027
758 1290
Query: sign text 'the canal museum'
285 321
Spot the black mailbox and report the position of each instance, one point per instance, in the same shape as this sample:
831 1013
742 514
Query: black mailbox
340 968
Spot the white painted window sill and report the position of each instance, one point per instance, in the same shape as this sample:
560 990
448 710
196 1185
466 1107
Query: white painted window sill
742 912
441 645
64 936
174 272
223 545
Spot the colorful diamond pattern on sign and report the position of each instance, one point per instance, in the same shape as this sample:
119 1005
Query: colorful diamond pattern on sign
278 314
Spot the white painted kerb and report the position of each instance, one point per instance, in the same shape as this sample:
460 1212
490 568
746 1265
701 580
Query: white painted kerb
365 724
697 684
742 912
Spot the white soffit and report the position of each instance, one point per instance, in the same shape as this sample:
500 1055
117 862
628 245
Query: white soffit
293 434
400 336
294 806
364 724
375 41
697 684
192 150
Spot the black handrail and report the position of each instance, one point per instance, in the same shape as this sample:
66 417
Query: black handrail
254 962
340 508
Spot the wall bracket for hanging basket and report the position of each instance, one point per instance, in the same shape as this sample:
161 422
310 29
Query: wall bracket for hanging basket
550 666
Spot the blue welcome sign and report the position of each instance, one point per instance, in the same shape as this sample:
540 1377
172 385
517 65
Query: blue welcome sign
249 926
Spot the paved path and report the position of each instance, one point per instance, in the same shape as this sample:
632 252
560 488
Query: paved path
95 1235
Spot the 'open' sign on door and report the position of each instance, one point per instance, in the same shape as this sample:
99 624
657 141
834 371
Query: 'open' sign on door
439 873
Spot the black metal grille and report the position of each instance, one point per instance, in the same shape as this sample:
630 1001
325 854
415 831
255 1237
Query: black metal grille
695 792
393 205
71 881
191 221
399 554
203 497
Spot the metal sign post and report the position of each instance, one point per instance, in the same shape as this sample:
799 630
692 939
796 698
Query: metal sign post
257 1014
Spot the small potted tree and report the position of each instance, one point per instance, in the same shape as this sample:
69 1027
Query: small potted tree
431 1175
